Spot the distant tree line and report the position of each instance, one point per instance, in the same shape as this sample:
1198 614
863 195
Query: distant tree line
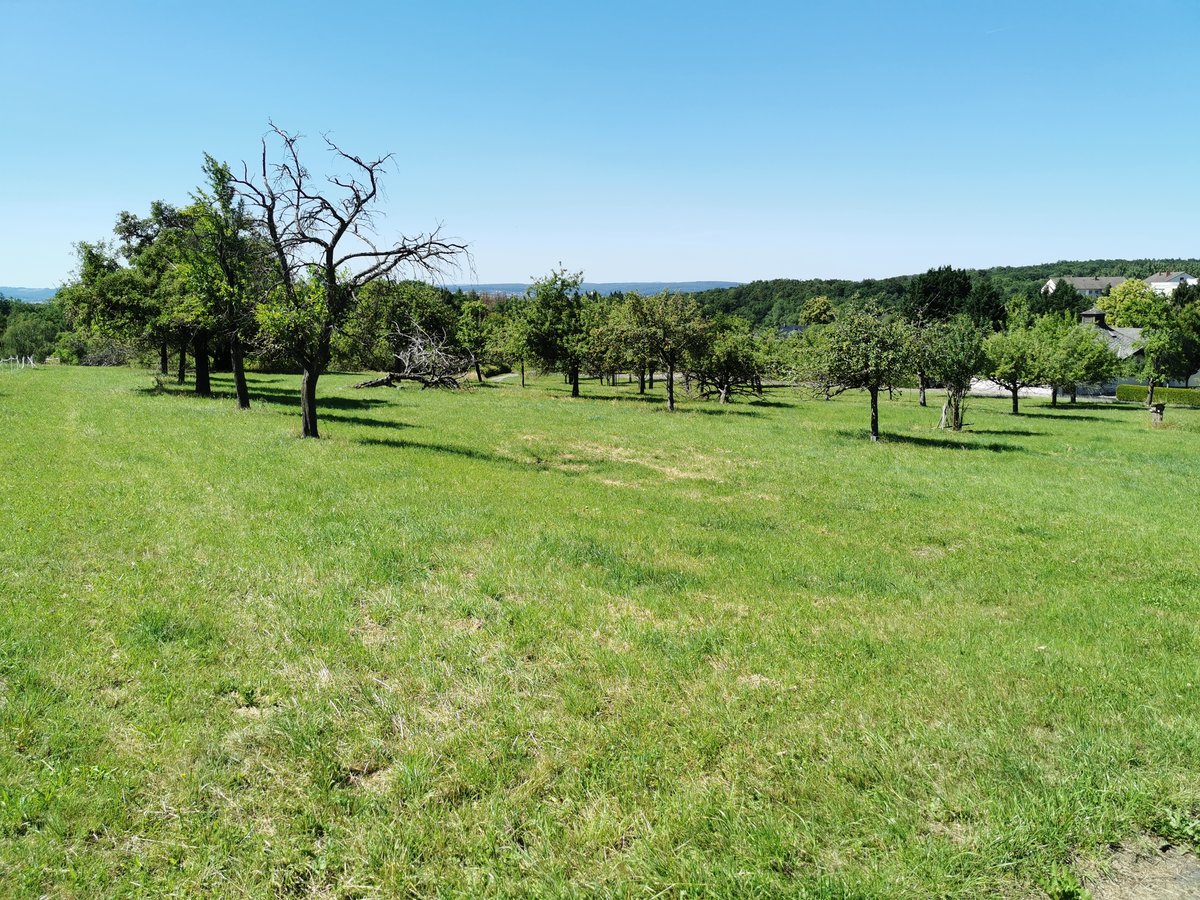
29 329
782 301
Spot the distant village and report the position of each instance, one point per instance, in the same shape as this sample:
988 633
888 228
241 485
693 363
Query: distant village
1124 342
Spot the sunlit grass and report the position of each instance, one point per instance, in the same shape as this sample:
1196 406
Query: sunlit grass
502 642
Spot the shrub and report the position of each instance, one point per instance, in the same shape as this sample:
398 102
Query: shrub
1136 393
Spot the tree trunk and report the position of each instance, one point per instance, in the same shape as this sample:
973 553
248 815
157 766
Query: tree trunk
670 387
164 358
724 393
945 414
522 373
641 381
1016 409
575 381
478 373
1149 394
1054 395
308 402
238 354
921 388
874 413
200 344
222 357
181 377
1074 387
652 378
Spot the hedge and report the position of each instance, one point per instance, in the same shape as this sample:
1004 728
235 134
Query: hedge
1174 396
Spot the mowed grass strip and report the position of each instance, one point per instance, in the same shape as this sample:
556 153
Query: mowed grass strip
501 642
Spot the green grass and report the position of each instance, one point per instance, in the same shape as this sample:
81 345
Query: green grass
499 642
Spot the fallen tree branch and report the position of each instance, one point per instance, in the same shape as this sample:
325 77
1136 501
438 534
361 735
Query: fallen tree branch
393 379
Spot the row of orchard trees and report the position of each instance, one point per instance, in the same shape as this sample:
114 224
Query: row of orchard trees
875 351
556 327
271 259
276 263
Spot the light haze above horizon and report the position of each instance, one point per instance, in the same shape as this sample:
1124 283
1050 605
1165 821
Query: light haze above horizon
632 141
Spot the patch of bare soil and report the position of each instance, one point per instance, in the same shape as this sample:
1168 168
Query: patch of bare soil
1148 869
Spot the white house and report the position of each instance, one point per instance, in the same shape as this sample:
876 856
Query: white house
1165 283
1089 286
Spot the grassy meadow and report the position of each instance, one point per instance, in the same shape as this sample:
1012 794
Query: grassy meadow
500 642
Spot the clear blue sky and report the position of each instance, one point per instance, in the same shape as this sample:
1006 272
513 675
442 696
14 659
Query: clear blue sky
635 141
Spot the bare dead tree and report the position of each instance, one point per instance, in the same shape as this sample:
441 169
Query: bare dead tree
426 357
324 237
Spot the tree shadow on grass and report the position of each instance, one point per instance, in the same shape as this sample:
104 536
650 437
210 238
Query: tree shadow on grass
1014 432
622 398
336 419
1074 417
720 411
468 452
944 444
917 440
266 396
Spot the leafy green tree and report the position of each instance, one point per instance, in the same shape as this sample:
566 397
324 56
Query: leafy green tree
631 323
932 297
374 332
1164 354
817 311
1134 304
1064 299
860 351
325 253
727 358
673 325
108 303
1164 341
557 325
150 245
1016 357
224 268
508 339
31 330
984 304
474 332
954 349
1187 319
1073 354
936 295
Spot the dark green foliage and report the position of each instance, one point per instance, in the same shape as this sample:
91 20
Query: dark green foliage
1029 280
556 333
939 294
781 300
1136 393
30 329
860 351
984 304
1065 298
954 350
728 359
386 312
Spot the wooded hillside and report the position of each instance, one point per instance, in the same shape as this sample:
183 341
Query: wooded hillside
779 301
